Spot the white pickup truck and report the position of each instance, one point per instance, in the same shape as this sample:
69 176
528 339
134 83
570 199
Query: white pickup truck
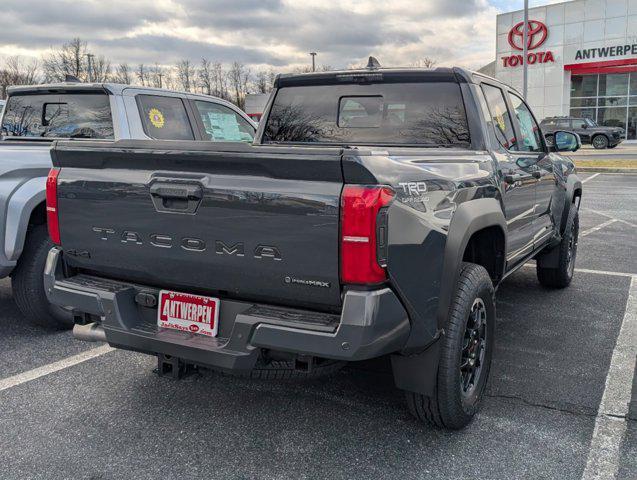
36 115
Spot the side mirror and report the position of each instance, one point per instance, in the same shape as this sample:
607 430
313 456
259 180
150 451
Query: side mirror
585 126
566 141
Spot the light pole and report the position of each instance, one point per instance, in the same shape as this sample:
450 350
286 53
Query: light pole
525 45
313 62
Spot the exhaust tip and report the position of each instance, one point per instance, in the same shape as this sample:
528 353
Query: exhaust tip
92 332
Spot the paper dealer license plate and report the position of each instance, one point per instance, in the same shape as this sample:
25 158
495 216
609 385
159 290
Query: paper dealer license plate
188 313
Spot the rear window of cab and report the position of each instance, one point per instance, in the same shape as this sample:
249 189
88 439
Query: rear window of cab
428 114
58 115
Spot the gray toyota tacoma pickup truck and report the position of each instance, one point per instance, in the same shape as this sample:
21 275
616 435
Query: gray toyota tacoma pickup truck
375 214
36 115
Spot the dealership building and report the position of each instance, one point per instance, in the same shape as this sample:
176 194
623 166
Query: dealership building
582 58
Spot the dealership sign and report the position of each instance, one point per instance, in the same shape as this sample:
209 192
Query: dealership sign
536 36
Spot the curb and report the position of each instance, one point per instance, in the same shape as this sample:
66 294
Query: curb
606 169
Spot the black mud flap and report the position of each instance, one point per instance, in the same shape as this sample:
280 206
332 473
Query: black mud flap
417 372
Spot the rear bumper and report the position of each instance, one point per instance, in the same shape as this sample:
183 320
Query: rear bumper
371 324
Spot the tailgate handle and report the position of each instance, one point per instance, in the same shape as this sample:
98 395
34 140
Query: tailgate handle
177 191
176 197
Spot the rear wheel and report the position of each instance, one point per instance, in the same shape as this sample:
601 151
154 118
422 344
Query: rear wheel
562 274
600 142
27 281
465 354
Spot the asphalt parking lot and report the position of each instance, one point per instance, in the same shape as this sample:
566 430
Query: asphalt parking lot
555 407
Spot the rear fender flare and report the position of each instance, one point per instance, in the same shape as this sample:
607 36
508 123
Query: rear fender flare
573 183
19 209
469 218
417 371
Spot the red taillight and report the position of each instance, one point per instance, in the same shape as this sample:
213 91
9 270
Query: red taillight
361 226
52 205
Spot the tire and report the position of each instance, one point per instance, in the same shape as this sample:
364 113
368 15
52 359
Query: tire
457 398
561 276
600 142
549 140
27 283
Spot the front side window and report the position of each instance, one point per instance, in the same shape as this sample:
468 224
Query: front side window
580 123
68 115
500 116
221 124
427 113
531 137
164 118
563 124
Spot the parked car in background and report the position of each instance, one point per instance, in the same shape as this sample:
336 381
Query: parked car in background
34 116
600 137
376 213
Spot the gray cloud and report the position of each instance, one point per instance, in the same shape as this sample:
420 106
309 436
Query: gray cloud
271 32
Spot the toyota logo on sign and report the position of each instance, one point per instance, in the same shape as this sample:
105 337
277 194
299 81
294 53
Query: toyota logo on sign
537 33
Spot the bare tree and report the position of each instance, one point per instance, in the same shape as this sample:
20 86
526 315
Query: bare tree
100 69
205 75
157 76
168 79
262 82
70 59
186 75
425 62
320 68
143 75
220 81
123 74
239 77
17 71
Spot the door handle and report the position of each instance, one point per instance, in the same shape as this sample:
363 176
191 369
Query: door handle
515 177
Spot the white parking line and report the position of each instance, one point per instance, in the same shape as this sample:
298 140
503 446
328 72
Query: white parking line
598 227
610 424
590 178
606 272
21 378
597 212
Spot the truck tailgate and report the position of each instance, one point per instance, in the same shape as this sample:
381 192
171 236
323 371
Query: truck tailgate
230 220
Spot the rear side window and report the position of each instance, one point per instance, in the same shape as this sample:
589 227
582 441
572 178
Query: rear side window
221 124
428 113
500 116
164 118
71 115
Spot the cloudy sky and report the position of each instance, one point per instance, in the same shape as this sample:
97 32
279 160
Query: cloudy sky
260 33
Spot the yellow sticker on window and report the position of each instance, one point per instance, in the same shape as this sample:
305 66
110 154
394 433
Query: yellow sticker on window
156 117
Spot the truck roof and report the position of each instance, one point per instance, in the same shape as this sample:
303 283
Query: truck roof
457 74
113 88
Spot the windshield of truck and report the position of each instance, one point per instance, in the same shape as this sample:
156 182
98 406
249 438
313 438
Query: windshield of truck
67 115
428 114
